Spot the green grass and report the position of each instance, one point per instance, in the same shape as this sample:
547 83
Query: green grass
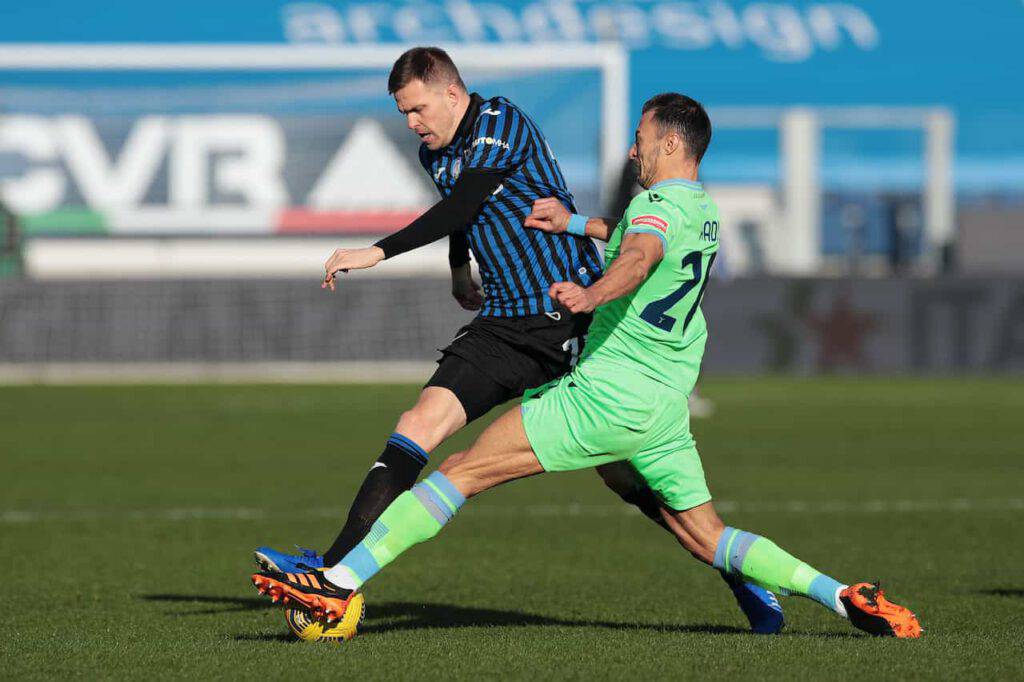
129 515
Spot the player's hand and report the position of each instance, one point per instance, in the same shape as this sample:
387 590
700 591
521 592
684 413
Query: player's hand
549 215
465 289
574 297
343 260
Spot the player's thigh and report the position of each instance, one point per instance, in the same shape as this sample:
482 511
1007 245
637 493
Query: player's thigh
585 419
501 453
477 391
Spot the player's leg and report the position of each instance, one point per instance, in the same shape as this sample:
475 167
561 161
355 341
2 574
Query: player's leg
574 423
580 421
623 480
692 518
759 560
501 453
455 395
490 362
670 465
437 414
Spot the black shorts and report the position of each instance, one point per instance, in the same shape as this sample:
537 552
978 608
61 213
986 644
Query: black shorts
495 359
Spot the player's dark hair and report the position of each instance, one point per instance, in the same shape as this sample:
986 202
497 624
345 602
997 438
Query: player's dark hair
427 64
683 115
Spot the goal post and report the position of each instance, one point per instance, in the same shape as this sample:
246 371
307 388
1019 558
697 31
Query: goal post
798 214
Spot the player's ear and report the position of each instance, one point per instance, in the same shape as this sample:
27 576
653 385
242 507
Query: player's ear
672 143
452 94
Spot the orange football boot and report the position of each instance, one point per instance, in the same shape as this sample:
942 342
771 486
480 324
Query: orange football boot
311 590
870 611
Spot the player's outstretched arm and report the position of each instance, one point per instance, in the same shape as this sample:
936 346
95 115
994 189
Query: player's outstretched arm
639 254
550 215
452 213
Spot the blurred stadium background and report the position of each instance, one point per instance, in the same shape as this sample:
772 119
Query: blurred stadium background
172 181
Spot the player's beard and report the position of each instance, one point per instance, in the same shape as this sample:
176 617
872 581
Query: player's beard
646 169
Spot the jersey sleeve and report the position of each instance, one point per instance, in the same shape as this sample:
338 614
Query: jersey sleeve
648 213
500 139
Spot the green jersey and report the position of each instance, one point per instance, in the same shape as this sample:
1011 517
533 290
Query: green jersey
659 329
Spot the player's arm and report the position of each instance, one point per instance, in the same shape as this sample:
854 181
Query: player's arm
640 253
465 289
450 214
550 215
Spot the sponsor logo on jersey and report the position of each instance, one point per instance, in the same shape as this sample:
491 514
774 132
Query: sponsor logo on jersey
492 141
654 221
490 112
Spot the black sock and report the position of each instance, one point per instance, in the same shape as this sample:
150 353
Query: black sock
392 474
644 499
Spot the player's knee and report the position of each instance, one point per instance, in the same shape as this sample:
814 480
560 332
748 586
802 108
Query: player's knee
418 425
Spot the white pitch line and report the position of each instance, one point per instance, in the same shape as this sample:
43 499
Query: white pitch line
16 516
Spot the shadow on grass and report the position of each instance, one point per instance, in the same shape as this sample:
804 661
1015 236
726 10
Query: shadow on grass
227 604
1004 592
279 637
400 616
405 616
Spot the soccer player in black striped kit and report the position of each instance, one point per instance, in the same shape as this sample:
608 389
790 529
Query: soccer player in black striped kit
490 162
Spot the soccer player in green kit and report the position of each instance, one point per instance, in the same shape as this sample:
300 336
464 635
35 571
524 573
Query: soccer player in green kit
625 401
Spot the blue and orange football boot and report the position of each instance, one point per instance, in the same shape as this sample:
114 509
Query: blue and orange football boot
760 606
312 591
869 610
269 559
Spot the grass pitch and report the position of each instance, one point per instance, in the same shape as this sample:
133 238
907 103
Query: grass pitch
129 515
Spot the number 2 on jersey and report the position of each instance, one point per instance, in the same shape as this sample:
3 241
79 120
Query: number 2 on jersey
656 312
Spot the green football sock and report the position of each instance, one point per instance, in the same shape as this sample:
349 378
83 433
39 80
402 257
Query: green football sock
414 517
761 561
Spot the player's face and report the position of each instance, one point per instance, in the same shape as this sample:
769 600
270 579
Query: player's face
429 111
646 150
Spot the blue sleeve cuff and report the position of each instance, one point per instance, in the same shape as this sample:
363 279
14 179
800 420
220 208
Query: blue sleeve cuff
577 225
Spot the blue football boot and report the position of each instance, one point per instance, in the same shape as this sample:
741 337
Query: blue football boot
269 559
760 606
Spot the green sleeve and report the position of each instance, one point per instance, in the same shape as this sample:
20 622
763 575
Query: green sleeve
649 213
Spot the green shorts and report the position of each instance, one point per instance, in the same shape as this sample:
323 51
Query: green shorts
603 413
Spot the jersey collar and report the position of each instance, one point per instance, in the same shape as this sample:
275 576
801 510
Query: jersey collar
689 184
468 119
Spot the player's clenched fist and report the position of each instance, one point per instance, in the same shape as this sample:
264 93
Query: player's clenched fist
574 297
343 260
549 215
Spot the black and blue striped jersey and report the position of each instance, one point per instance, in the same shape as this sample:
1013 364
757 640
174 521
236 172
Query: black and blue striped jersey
517 264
